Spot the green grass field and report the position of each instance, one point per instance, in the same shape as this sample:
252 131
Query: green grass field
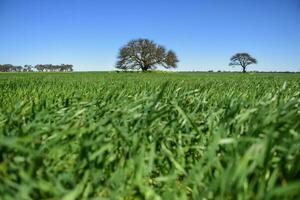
151 136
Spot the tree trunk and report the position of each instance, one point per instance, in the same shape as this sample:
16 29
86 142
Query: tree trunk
244 69
145 68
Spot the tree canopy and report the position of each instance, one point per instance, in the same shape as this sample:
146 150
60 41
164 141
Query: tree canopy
243 60
144 54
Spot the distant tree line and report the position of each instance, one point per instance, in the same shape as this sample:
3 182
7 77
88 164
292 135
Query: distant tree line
54 68
11 68
39 68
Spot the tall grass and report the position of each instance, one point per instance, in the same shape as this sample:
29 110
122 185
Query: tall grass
149 136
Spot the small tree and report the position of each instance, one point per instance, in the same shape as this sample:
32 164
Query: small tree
144 54
243 60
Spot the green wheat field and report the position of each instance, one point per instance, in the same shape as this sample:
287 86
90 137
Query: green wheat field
153 136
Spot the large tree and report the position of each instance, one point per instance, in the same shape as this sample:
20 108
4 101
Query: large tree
144 54
243 60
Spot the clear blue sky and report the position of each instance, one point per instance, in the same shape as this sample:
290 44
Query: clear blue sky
204 33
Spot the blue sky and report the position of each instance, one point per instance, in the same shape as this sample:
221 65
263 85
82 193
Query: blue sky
203 33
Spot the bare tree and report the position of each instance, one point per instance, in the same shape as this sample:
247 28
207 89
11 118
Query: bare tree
144 54
243 60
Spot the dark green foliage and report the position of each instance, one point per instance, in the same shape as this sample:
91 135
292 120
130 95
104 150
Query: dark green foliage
149 136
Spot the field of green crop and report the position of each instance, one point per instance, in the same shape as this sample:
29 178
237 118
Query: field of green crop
154 136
